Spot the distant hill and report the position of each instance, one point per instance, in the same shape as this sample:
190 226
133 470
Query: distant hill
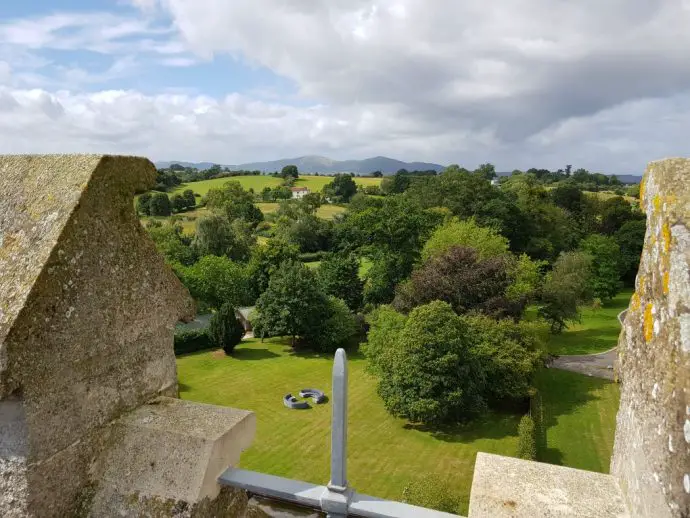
324 165
321 164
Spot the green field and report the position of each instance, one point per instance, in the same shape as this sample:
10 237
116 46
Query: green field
580 416
385 452
597 332
314 183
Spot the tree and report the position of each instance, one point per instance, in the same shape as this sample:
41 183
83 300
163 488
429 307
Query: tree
290 171
527 439
486 241
461 279
312 202
606 265
308 232
293 304
487 171
568 196
189 197
178 203
171 241
235 202
435 366
615 212
396 184
377 174
159 205
630 239
341 189
338 276
565 288
336 330
216 281
224 329
429 374
143 204
265 260
215 235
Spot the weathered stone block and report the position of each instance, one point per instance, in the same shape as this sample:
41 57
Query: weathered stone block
652 447
170 451
508 487
87 309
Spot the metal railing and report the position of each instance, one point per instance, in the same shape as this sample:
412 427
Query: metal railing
336 498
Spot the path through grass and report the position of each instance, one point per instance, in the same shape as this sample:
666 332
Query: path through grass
597 332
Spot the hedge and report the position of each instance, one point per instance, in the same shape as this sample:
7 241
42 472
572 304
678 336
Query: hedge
191 340
527 440
536 411
310 257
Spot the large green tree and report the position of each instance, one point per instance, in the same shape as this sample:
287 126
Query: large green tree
290 171
429 373
217 281
606 268
293 304
565 288
215 235
265 261
341 189
160 205
172 242
338 276
486 241
235 202
143 204
630 239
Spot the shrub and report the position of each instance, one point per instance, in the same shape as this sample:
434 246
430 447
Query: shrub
191 340
225 330
433 492
527 439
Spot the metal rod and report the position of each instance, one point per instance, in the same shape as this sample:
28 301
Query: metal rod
339 423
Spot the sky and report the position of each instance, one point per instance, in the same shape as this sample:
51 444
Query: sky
603 85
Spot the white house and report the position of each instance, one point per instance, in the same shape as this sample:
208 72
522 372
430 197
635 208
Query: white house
299 192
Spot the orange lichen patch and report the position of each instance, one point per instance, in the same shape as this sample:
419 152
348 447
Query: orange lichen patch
635 302
665 282
666 236
648 323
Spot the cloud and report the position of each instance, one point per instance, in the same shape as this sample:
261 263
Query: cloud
516 67
534 83
238 128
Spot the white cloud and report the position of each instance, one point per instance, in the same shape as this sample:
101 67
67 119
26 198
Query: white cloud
532 83
237 129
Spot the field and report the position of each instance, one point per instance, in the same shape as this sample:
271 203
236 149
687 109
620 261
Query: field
580 416
597 332
385 453
314 183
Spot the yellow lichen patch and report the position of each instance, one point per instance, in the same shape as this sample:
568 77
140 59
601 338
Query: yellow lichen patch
657 203
666 236
648 323
635 302
665 282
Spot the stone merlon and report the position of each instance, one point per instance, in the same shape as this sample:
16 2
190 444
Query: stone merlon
87 315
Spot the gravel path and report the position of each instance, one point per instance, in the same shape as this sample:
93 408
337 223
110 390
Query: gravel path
598 365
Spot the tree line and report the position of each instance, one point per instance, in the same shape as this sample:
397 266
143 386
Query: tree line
453 263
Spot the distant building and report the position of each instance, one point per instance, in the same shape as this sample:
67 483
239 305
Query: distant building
299 192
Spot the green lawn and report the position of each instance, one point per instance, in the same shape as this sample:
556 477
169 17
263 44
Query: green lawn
384 452
580 416
597 332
